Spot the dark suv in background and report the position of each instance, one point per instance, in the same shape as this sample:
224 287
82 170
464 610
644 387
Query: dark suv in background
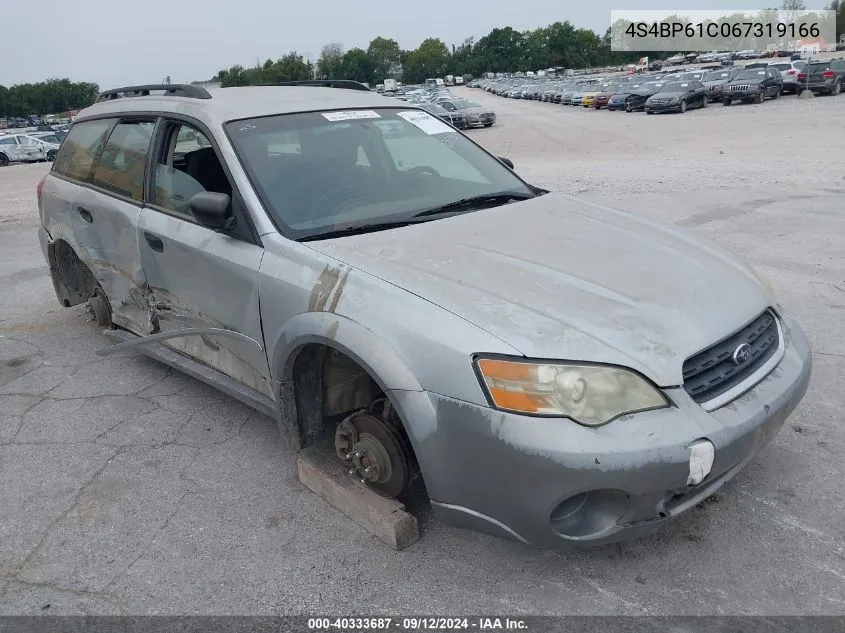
824 76
753 85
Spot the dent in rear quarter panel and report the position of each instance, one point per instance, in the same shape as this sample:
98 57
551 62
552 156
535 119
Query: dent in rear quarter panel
108 246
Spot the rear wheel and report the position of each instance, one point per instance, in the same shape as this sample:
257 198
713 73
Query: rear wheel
51 155
777 93
837 87
4 160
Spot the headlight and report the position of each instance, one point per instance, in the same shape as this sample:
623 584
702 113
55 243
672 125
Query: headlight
591 395
673 100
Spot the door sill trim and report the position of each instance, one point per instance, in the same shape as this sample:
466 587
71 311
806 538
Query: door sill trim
187 365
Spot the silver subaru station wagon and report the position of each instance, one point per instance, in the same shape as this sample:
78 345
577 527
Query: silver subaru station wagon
553 371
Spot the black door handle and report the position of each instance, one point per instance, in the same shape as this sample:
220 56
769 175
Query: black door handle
154 241
86 214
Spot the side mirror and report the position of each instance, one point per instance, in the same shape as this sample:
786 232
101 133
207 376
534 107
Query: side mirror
211 209
506 161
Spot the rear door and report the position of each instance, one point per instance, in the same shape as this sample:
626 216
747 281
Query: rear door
92 201
200 278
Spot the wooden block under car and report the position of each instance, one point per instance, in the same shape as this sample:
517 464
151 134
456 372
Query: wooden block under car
385 518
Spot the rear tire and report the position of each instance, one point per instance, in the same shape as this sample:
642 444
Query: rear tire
4 160
837 87
777 94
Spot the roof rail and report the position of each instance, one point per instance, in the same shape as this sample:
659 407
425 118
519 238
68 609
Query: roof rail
171 90
348 84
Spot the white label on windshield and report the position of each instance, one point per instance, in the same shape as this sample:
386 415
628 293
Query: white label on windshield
351 114
426 122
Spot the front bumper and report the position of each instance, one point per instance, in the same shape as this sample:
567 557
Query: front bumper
741 95
551 482
662 107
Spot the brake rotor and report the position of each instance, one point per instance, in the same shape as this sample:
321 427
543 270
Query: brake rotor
377 455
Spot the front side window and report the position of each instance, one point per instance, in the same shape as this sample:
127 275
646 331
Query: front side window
120 167
318 171
83 144
188 166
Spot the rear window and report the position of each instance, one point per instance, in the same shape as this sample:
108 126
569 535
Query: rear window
83 144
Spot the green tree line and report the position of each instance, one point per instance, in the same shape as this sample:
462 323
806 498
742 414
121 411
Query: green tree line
501 50
54 96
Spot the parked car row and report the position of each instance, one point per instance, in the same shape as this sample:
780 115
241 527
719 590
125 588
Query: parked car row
679 91
455 110
25 146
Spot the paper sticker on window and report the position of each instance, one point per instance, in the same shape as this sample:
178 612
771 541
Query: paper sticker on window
351 114
426 122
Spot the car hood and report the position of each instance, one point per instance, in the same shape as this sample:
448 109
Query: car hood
717 82
557 277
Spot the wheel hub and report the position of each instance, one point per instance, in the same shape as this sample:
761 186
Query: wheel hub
374 452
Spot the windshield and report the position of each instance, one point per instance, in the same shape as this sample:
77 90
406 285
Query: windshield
320 172
433 108
717 75
675 87
465 103
751 74
51 138
650 87
780 67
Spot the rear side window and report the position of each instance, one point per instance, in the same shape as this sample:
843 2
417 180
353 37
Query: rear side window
120 168
81 147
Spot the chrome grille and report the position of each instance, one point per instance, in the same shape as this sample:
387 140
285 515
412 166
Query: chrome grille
711 372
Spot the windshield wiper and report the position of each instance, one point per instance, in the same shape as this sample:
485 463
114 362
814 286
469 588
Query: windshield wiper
357 229
476 202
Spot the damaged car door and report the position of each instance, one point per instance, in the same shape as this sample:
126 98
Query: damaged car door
94 204
199 277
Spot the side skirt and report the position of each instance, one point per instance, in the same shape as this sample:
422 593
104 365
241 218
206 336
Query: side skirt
206 374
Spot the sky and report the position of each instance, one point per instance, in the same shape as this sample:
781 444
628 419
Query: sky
122 42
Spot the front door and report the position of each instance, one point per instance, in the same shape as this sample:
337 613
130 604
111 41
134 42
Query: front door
200 278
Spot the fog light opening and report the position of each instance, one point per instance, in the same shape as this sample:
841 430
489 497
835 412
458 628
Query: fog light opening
588 514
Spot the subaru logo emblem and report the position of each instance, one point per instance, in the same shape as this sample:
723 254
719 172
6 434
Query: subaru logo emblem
742 354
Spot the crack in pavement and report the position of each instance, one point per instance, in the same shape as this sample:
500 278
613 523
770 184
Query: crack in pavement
158 532
79 593
20 568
